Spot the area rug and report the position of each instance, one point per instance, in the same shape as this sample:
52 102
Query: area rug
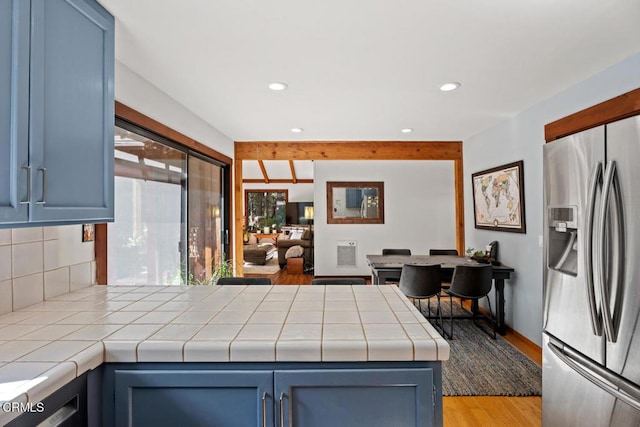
481 366
271 267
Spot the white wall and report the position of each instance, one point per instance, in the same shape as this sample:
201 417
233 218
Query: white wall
419 210
136 92
522 137
39 263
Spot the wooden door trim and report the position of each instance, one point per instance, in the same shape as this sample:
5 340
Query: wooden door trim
346 150
100 250
134 117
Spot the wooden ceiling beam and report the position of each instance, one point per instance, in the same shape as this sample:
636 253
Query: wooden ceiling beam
349 150
264 171
293 172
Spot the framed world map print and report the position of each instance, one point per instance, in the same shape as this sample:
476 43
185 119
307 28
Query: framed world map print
498 198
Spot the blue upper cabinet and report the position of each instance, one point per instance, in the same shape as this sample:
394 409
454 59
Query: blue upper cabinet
68 112
14 110
71 120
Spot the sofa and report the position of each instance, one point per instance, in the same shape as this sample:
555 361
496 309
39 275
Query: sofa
285 242
258 252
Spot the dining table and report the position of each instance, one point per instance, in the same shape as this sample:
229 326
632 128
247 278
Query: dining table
389 267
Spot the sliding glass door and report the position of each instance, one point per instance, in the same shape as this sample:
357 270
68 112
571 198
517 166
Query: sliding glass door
207 236
169 212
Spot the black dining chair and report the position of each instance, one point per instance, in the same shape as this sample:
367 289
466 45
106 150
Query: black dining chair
396 252
339 281
443 252
471 282
244 281
446 282
420 282
394 281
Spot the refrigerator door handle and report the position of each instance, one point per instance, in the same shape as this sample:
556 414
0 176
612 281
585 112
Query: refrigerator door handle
596 178
610 181
621 255
614 384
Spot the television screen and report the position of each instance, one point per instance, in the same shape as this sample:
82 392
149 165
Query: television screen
295 213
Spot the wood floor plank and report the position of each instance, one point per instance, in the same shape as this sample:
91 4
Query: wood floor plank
492 411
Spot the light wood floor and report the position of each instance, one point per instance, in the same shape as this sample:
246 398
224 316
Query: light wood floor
481 411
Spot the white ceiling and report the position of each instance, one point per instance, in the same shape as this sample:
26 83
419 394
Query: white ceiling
364 69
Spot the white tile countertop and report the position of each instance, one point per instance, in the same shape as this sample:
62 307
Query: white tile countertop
46 345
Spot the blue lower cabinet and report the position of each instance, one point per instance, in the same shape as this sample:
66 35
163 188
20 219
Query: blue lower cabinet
360 397
373 394
193 398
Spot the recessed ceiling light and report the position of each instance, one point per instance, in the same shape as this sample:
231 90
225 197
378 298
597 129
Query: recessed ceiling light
406 130
297 130
277 86
447 87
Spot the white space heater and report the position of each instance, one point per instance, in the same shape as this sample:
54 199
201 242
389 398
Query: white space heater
346 253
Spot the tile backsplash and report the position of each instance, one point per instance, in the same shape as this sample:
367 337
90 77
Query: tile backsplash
40 263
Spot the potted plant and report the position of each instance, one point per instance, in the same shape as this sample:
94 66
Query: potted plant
480 256
266 223
223 269
245 237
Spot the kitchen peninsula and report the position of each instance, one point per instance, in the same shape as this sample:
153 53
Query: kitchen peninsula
258 355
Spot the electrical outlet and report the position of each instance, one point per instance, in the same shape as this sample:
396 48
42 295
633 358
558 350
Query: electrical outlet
540 241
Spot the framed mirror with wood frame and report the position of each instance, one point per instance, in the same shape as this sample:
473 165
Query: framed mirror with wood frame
354 202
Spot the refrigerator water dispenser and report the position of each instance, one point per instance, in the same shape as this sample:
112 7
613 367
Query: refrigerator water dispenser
563 239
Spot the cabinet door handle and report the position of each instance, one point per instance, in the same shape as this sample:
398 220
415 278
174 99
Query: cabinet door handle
44 186
28 198
264 409
281 404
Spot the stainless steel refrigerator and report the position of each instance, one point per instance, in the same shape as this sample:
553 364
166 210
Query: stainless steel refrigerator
591 339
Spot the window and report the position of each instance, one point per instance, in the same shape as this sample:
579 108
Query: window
170 219
265 208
